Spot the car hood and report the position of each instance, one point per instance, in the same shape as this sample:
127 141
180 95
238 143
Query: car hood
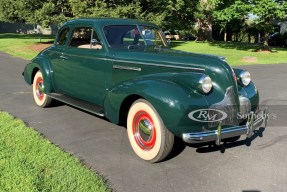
169 57
219 71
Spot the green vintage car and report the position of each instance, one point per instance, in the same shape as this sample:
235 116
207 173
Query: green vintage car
124 70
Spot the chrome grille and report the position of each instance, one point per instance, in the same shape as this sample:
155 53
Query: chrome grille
227 105
245 106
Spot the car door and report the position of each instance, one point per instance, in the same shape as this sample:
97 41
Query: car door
81 72
57 59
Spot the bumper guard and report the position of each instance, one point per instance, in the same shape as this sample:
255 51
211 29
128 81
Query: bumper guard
254 122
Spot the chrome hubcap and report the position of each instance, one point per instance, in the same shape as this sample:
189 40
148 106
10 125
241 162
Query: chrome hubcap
144 130
40 89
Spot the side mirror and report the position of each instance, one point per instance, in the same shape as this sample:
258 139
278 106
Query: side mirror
168 42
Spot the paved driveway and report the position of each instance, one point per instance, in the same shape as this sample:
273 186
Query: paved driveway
104 147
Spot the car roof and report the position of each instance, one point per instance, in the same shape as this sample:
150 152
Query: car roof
109 21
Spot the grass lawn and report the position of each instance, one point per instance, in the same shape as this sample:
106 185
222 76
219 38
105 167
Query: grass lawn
28 162
19 45
234 52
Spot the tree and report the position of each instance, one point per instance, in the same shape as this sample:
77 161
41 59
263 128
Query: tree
52 11
267 11
169 14
204 18
12 11
35 11
104 8
236 13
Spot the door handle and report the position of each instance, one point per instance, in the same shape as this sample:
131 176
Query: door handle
63 57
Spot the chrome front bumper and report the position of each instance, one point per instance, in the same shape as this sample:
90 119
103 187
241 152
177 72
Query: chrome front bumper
254 122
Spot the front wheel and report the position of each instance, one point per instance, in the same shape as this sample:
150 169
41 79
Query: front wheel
147 134
40 98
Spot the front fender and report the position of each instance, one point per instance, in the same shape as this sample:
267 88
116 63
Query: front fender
43 64
172 101
249 91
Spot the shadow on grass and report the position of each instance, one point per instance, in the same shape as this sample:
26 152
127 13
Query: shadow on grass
174 44
244 46
45 42
25 36
229 45
235 45
220 44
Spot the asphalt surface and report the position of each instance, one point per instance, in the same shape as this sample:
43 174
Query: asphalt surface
103 146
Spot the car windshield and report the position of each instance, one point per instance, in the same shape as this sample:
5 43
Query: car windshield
132 35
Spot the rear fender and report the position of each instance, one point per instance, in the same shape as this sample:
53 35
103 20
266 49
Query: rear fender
42 64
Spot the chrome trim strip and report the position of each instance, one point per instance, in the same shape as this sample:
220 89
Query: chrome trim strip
143 63
161 65
126 68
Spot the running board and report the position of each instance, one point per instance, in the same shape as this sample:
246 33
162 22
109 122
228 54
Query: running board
86 106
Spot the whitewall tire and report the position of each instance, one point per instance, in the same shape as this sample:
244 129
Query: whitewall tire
147 134
40 98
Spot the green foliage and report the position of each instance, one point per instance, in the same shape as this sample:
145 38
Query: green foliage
101 8
169 14
179 14
236 11
205 8
267 11
34 11
173 14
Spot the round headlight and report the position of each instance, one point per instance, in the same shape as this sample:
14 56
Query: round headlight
206 84
245 78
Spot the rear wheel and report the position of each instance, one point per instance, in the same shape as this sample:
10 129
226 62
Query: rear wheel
40 98
147 134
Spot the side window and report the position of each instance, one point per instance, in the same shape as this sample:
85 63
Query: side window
151 35
123 35
133 37
63 36
85 37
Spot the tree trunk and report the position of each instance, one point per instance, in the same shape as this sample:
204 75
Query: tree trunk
237 37
225 35
265 41
205 29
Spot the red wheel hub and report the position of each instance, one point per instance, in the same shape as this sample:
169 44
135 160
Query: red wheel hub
39 86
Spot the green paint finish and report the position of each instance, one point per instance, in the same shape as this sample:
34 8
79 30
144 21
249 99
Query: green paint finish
111 76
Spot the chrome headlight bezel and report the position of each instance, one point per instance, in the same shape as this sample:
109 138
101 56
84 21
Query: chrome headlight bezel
205 84
245 78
